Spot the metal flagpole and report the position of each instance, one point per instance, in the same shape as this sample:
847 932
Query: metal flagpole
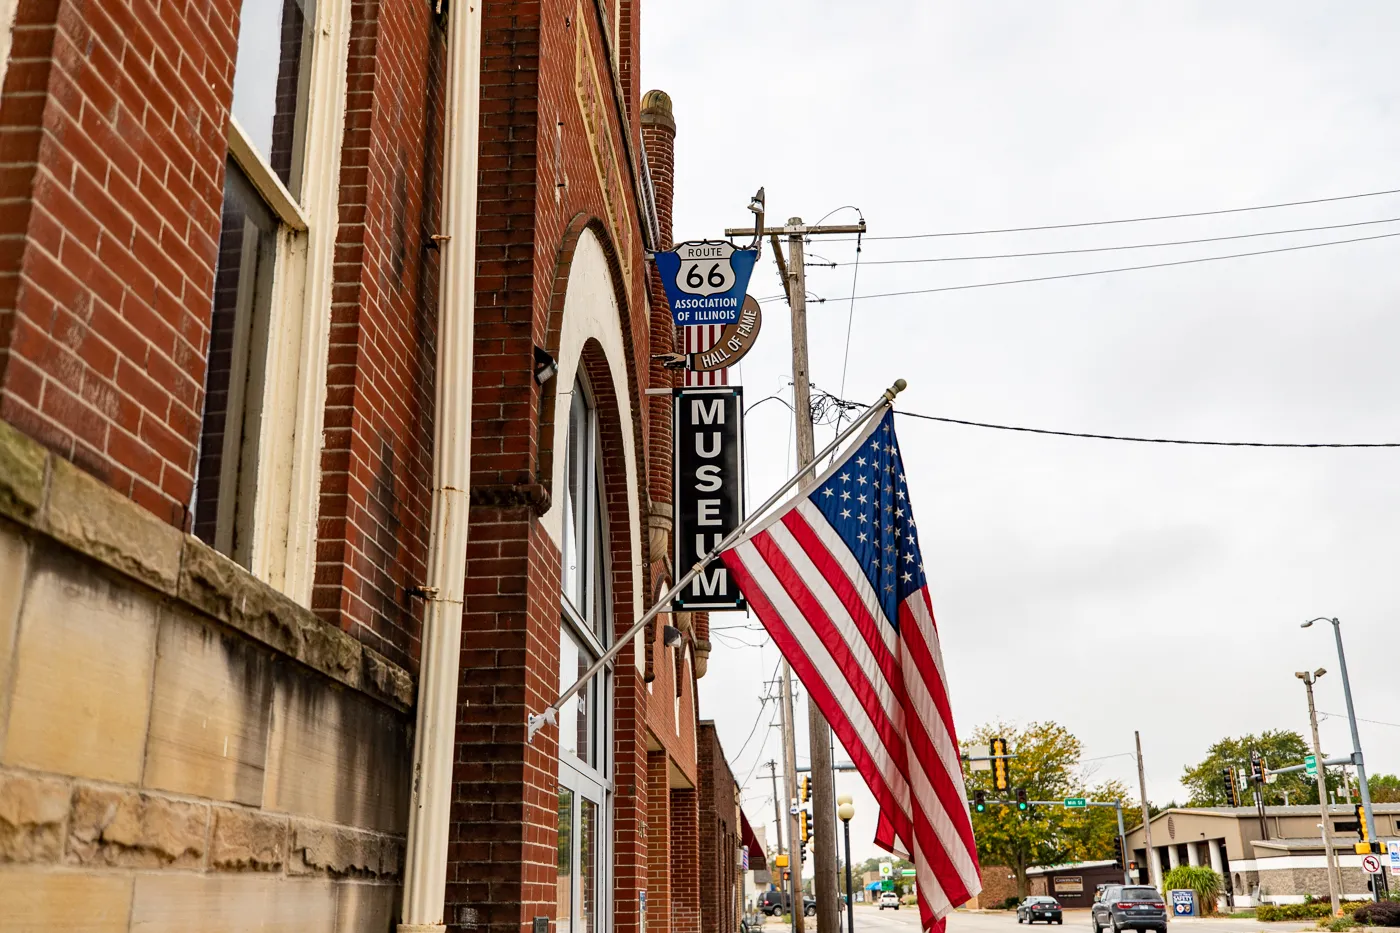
537 720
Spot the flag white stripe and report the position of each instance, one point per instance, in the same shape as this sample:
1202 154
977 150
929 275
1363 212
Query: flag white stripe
825 667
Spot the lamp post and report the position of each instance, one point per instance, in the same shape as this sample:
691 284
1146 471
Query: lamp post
845 811
1356 757
1309 678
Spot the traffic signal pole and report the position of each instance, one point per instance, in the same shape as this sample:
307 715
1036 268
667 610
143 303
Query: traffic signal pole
794 274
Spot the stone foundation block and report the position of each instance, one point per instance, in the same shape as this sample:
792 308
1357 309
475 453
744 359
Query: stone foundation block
133 830
343 852
248 840
32 814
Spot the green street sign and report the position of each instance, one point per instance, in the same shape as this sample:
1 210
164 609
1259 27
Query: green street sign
1074 802
887 885
1310 765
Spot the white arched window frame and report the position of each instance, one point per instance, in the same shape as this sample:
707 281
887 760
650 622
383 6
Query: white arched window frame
584 902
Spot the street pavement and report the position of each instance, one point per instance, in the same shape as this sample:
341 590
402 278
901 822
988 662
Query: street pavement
869 919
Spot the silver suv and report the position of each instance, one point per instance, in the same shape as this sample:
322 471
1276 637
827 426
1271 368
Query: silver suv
1129 907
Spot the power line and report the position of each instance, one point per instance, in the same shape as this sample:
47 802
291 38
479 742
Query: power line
1374 722
845 403
1130 439
1076 275
1101 249
1137 220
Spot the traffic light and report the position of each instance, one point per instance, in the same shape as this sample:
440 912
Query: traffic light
804 825
1361 824
805 794
1000 777
1256 766
1118 849
1232 790
1022 803
979 801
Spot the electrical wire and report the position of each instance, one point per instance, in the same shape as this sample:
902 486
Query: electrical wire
1100 249
1135 220
850 318
1374 722
1077 275
1119 437
1131 439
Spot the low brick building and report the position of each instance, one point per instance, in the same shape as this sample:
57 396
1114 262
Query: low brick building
254 250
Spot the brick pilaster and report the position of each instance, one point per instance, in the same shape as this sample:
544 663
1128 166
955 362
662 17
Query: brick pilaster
658 842
685 861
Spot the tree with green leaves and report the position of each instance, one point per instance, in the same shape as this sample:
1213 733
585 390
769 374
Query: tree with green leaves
1279 748
1047 766
1385 788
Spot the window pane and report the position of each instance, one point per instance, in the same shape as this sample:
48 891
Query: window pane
575 522
234 379
587 707
588 862
579 715
598 572
270 81
569 714
564 899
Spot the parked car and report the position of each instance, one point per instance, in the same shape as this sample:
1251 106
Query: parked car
889 899
1037 907
774 903
1129 907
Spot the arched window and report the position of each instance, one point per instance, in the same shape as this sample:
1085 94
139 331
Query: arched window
585 722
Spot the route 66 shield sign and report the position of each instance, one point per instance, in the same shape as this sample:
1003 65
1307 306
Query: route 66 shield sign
705 281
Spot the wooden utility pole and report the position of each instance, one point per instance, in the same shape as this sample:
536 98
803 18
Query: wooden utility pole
1154 866
825 886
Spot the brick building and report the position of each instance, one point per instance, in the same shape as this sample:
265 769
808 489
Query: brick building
721 833
285 285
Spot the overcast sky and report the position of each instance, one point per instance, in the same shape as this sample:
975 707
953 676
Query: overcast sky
1108 586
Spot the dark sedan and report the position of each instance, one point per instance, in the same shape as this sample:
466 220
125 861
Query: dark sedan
1129 907
1039 908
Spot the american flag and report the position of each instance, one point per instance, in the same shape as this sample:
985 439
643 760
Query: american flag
838 581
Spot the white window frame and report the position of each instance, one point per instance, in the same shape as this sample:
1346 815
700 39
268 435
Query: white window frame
286 492
7 34
592 782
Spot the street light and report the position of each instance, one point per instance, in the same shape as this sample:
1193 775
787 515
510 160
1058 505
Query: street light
1308 680
845 810
1356 757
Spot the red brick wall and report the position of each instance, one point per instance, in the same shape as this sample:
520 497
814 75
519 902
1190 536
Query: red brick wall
376 486
112 143
685 861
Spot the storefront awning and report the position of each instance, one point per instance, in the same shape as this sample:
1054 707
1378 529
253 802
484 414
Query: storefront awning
758 859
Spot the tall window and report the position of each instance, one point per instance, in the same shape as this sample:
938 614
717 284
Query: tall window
262 211
585 723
